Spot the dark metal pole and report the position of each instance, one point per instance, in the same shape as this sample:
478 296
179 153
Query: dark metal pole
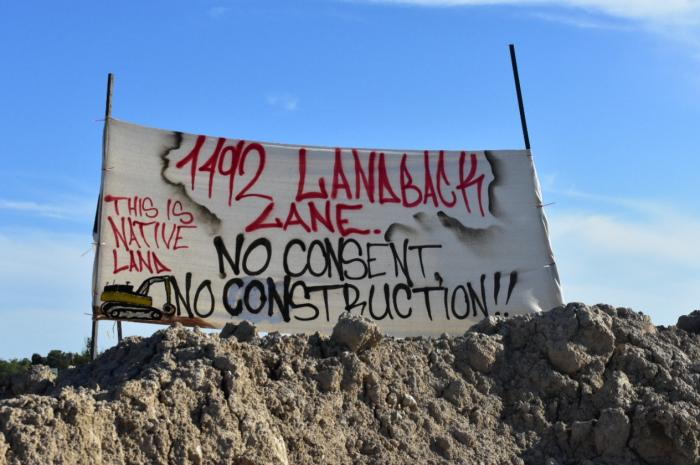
108 114
110 86
93 340
516 77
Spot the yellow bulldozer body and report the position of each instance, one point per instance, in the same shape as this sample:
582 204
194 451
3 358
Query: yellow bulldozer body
127 298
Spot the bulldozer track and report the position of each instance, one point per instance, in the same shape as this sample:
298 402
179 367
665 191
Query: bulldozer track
129 312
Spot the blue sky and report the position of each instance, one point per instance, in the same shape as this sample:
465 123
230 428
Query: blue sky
612 94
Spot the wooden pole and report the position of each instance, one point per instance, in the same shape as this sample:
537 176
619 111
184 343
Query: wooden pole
521 107
108 114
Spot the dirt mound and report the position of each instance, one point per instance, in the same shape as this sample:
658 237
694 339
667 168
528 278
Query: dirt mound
576 385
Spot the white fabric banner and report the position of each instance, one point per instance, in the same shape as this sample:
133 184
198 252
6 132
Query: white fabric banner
205 230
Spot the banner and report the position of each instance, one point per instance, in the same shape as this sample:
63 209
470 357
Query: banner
207 230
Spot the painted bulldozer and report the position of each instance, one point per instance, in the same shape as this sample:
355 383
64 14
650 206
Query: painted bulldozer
120 301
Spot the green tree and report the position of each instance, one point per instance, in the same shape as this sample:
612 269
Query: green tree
55 359
13 366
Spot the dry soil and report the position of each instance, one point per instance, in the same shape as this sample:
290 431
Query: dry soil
576 385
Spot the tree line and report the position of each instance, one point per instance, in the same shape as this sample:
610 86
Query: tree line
55 359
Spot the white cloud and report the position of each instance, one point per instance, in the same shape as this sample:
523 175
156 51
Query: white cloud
286 101
643 206
665 239
580 21
674 20
43 268
627 252
75 210
631 9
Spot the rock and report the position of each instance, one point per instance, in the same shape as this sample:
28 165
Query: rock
581 433
617 391
595 332
463 437
666 433
578 336
375 391
3 449
353 372
442 446
690 322
479 350
243 331
567 357
611 432
457 393
489 325
36 380
329 379
356 333
409 402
